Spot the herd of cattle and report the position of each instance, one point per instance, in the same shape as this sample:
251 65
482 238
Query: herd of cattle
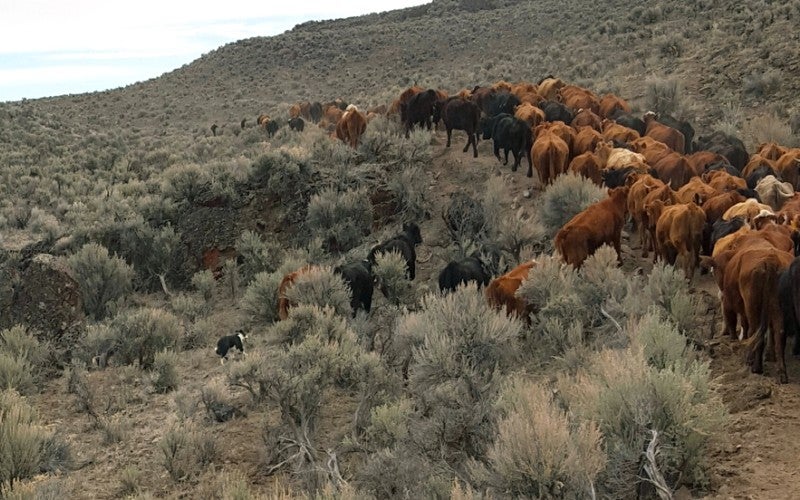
702 202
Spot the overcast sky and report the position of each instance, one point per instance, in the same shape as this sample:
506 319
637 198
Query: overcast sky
56 47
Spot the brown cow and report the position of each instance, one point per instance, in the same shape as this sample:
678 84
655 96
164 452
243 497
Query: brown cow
530 114
640 188
599 224
756 161
589 166
717 205
652 149
288 280
610 103
675 170
654 203
501 291
679 233
520 89
404 97
723 181
701 160
549 87
616 132
586 139
561 129
351 126
550 155
788 166
695 190
294 110
751 279
586 118
577 98
660 132
771 150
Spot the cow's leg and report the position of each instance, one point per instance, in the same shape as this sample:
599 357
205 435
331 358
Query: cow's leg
728 319
779 343
449 135
516 160
505 153
497 151
527 153
618 246
474 138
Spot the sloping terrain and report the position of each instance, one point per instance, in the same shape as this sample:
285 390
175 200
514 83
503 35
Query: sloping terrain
734 61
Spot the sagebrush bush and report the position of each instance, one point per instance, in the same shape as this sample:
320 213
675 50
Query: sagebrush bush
23 360
540 451
320 286
141 333
22 440
186 451
97 341
664 96
762 83
103 279
287 174
189 306
341 219
766 128
455 350
165 376
217 400
391 276
257 255
260 300
568 195
204 282
628 398
189 183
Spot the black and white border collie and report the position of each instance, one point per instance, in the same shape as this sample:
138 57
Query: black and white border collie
228 342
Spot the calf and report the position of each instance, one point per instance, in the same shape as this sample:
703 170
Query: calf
358 276
458 272
403 243
297 124
599 224
501 291
228 342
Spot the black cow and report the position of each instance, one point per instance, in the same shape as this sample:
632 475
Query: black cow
358 276
722 228
404 243
297 123
725 166
617 177
460 114
729 146
463 271
749 193
682 126
272 127
315 111
789 299
630 121
419 110
511 134
759 173
555 111
500 102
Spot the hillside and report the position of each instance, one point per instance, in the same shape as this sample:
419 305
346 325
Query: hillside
138 171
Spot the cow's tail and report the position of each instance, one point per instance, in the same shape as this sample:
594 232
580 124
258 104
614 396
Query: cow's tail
765 275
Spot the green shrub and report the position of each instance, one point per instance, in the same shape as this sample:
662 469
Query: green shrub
629 398
257 255
567 196
189 183
103 280
189 306
97 341
540 451
23 360
389 423
391 275
204 282
762 83
320 286
664 96
22 440
260 299
141 333
186 452
341 219
165 375
287 175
